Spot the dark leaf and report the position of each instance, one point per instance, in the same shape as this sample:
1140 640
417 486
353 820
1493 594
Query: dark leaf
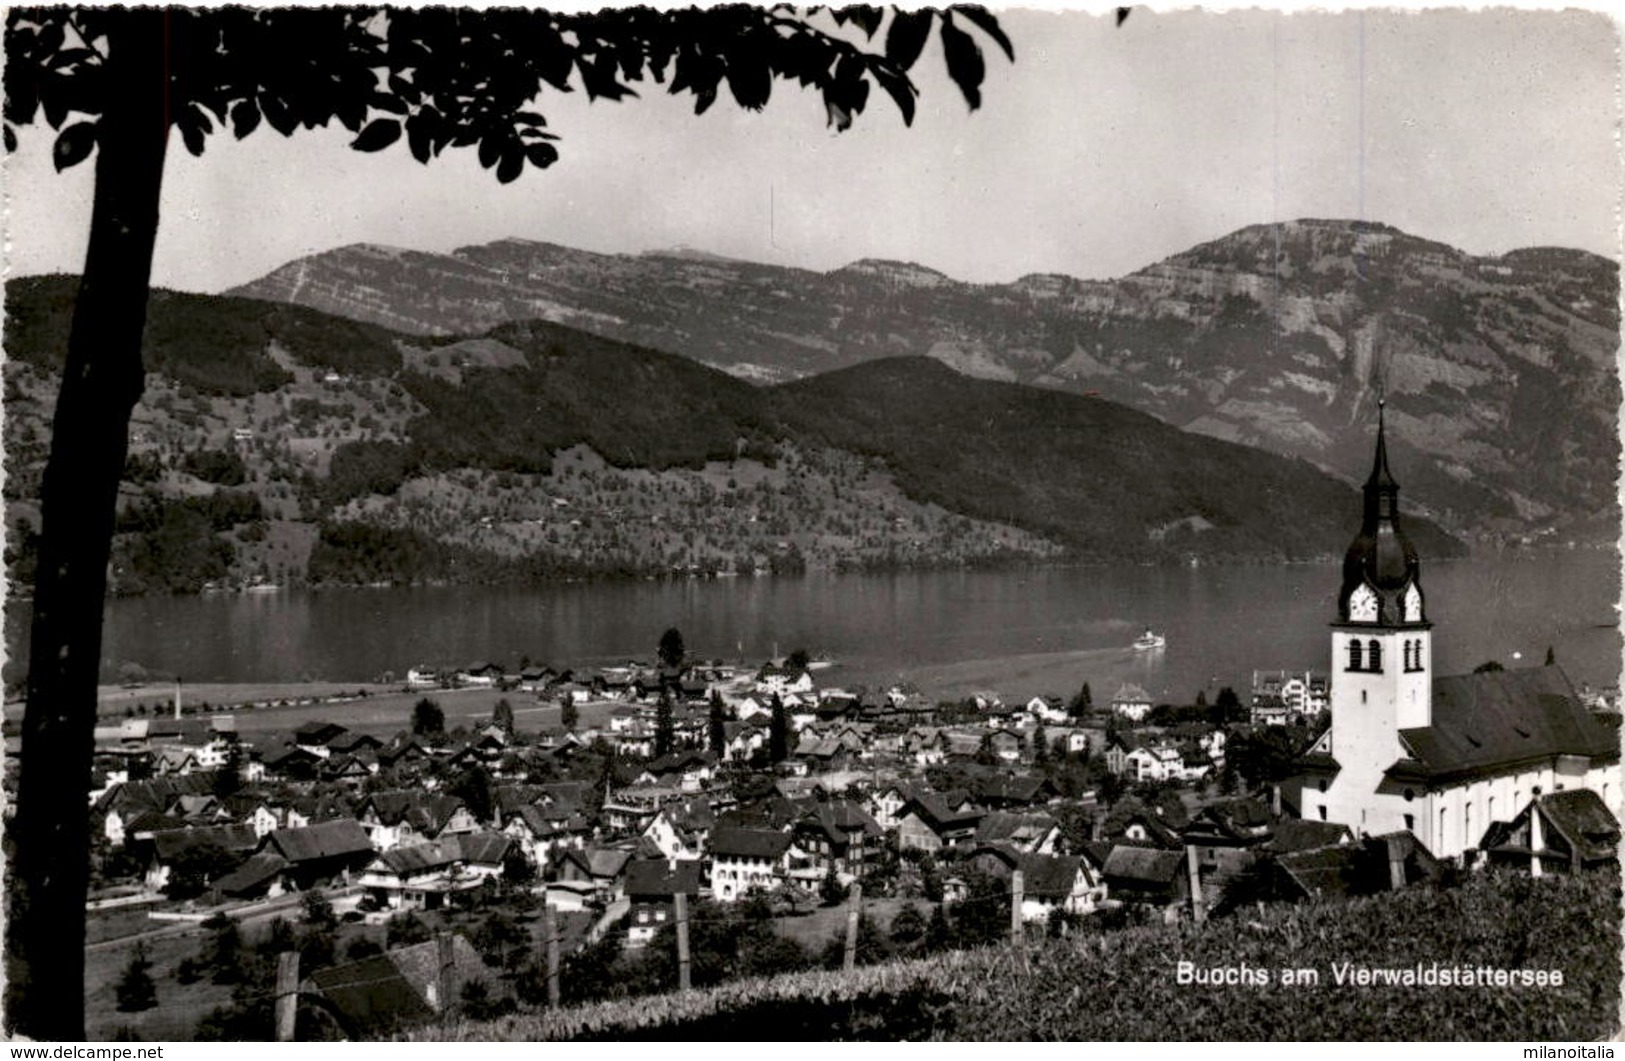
984 20
964 60
863 17
417 137
490 151
529 118
191 136
511 166
11 138
384 101
245 118
278 115
901 90
73 145
749 78
907 36
379 134
703 98
542 155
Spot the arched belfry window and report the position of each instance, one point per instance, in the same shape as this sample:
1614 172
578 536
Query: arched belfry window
1354 653
1408 646
1375 662
1416 656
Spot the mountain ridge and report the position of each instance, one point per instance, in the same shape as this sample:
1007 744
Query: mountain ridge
1277 335
280 444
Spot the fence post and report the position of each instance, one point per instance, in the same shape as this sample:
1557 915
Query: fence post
682 941
550 926
853 912
1017 889
1198 914
448 970
287 994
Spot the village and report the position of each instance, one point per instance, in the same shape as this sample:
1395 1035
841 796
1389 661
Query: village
723 785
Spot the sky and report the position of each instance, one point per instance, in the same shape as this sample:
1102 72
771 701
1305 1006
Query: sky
1099 151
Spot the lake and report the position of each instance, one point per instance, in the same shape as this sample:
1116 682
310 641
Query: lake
1015 632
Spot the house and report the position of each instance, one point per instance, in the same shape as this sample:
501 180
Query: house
839 835
1007 791
404 816
541 830
169 845
1047 709
680 830
315 736
689 770
422 876
261 876
743 859
1561 832
1033 834
1131 702
1438 757
603 868
1049 882
1146 875
317 854
651 885
742 740
930 823
292 763
423 676
886 802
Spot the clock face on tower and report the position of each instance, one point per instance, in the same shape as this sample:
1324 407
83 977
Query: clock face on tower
1413 605
1363 605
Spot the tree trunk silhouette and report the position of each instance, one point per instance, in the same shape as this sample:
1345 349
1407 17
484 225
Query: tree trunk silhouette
101 383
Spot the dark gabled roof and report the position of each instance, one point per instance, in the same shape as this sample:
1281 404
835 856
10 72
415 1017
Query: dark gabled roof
486 848
1146 865
1008 825
354 742
1336 869
937 813
840 820
1300 834
1048 876
659 878
1584 820
731 842
171 842
1018 788
318 732
389 990
257 870
1486 723
335 839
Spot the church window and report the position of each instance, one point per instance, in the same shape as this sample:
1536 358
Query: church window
1321 784
1322 813
1410 794
1354 653
1466 822
1362 696
1440 838
1375 662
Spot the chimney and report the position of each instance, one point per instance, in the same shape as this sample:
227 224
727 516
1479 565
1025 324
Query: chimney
1275 799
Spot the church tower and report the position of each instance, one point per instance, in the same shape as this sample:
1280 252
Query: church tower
1382 648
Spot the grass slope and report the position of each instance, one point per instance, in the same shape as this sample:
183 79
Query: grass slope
1122 986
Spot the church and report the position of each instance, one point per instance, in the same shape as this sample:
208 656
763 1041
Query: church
1439 757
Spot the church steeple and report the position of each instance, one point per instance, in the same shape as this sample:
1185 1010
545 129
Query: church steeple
1381 571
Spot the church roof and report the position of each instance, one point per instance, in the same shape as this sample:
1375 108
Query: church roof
1486 723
